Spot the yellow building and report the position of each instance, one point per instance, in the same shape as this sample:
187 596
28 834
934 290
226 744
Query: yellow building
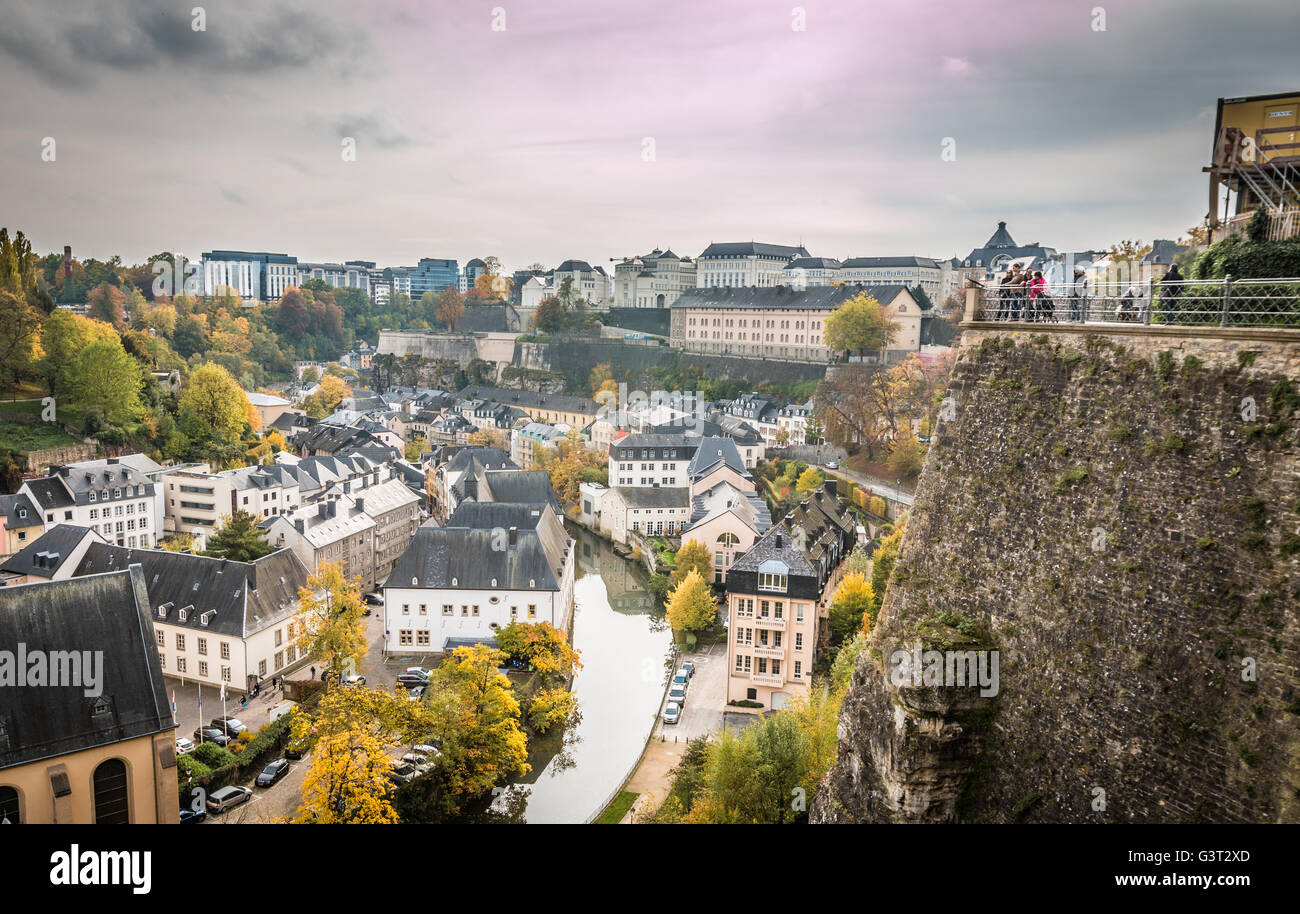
86 732
1256 162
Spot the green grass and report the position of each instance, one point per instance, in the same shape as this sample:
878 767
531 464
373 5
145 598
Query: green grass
616 810
25 437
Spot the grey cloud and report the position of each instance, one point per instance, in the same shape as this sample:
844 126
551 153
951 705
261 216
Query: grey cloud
67 46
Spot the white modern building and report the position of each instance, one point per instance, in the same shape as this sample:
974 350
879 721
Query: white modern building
114 499
745 263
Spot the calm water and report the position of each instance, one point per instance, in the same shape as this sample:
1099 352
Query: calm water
625 645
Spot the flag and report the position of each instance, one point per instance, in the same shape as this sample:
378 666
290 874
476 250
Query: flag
174 706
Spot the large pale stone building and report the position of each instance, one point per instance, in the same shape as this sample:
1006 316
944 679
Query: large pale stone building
782 323
744 263
653 280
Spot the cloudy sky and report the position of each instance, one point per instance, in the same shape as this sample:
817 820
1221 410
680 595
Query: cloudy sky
602 128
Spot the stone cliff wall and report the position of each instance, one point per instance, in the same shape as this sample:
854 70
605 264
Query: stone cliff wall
1107 512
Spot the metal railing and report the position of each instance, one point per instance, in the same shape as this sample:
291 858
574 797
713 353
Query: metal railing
1212 302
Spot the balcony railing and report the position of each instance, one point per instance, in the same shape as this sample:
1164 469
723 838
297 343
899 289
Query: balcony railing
769 622
1285 224
767 679
768 651
1186 303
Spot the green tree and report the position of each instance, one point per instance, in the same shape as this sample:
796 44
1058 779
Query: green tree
108 380
860 325
64 336
883 564
20 331
239 539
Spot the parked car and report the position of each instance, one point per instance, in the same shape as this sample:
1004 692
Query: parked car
677 694
688 667
832 465
273 772
417 692
353 679
425 749
231 726
374 599
212 735
183 746
411 680
403 774
681 677
672 713
418 671
191 816
226 797
294 751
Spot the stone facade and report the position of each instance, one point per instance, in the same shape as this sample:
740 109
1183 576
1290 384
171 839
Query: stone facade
1105 510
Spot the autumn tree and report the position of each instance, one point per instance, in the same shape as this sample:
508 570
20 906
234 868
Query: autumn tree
415 447
214 408
330 627
238 539
568 465
549 707
691 606
347 783
860 325
810 480
488 437
449 307
20 333
476 719
63 337
883 564
541 645
906 454
692 556
853 608
549 316
106 303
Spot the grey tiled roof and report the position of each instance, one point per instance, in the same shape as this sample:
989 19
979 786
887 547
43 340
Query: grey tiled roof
105 612
814 298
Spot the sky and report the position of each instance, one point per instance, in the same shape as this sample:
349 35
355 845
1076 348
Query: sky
542 130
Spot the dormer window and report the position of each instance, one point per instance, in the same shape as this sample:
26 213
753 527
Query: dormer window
92 495
101 707
104 494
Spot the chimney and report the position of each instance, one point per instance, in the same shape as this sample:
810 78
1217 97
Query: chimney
832 486
361 505
778 541
322 510
334 508
514 536
299 525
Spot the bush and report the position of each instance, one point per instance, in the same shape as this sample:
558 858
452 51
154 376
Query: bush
212 755
191 768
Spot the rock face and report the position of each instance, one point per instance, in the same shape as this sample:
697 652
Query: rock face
1118 515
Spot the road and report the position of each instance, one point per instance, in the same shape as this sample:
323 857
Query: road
878 486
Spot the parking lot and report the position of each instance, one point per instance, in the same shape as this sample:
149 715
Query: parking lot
706 696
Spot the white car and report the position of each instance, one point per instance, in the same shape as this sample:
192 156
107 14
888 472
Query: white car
672 713
677 695
184 746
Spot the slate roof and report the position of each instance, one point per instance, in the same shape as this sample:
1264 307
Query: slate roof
472 557
518 486
49 553
756 248
713 452
814 298
472 459
12 507
529 399
875 262
108 613
813 263
723 497
486 515
654 496
246 596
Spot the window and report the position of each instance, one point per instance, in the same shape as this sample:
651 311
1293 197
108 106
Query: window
422 637
225 651
203 644
110 793
261 667
767 581
162 639
532 610
203 668
225 674
406 609
447 609
278 636
404 637
180 642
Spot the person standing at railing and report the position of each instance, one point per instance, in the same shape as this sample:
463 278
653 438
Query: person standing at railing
1017 310
1038 300
1078 296
1005 292
1171 286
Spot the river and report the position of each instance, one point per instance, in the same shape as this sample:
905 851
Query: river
626 650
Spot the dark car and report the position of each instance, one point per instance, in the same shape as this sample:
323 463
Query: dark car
231 726
212 735
374 599
403 774
273 772
294 752
193 816
411 680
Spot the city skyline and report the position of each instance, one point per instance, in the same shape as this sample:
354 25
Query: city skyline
530 142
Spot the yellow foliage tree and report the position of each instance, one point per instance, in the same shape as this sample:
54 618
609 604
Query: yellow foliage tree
691 605
330 627
347 783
